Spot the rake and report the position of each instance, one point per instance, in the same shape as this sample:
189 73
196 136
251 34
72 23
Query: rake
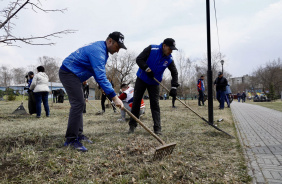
99 112
211 124
161 151
21 110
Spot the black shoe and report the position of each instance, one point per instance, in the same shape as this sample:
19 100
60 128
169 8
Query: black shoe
131 130
158 132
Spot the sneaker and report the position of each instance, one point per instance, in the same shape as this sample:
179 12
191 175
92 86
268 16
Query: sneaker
37 116
173 106
84 138
131 130
75 144
121 120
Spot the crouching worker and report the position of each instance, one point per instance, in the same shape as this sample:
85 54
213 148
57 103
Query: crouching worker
127 98
87 61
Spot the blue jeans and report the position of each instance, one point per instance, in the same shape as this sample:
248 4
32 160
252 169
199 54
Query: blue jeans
39 97
220 96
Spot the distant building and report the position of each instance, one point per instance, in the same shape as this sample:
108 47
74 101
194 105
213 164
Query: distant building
239 80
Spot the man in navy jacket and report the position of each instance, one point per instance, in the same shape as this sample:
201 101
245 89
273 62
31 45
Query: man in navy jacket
79 66
152 63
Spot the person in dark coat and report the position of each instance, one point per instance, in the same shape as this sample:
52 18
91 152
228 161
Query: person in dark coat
85 88
221 83
152 62
31 98
238 96
61 95
243 97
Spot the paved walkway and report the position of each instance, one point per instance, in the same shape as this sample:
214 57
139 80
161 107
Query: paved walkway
260 132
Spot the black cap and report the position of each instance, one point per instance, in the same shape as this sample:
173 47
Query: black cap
171 43
30 73
220 73
118 37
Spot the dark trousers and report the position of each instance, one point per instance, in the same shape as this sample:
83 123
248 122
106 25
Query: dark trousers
227 100
139 90
31 103
201 98
73 87
173 101
103 99
220 95
243 99
41 97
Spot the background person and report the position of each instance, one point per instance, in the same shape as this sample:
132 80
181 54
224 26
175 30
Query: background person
243 97
31 98
201 90
221 83
152 62
227 95
61 95
127 98
104 98
238 96
41 90
79 66
85 88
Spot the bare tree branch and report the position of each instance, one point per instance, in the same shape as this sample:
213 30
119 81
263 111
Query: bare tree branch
11 12
29 40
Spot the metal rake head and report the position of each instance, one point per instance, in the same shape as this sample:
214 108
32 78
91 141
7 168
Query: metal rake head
163 151
20 110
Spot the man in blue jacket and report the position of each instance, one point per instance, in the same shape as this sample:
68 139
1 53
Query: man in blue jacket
85 62
201 89
152 63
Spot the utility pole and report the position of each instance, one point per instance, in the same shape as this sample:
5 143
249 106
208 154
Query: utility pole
209 72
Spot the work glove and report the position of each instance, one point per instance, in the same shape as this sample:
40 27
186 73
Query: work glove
150 74
173 92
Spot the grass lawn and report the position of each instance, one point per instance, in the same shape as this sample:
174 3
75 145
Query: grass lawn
276 105
32 151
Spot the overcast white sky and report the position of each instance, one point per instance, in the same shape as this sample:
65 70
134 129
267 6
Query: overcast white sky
250 31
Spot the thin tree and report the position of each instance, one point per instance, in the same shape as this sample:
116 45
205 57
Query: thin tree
51 66
5 76
121 68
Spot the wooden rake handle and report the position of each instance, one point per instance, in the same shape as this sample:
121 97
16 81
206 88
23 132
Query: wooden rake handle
92 105
146 128
178 98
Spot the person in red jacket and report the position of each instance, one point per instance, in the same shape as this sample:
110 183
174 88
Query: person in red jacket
127 98
201 89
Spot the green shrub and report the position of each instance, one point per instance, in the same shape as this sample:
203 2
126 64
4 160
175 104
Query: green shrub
11 97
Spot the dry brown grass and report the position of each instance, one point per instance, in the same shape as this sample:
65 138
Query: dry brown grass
32 151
